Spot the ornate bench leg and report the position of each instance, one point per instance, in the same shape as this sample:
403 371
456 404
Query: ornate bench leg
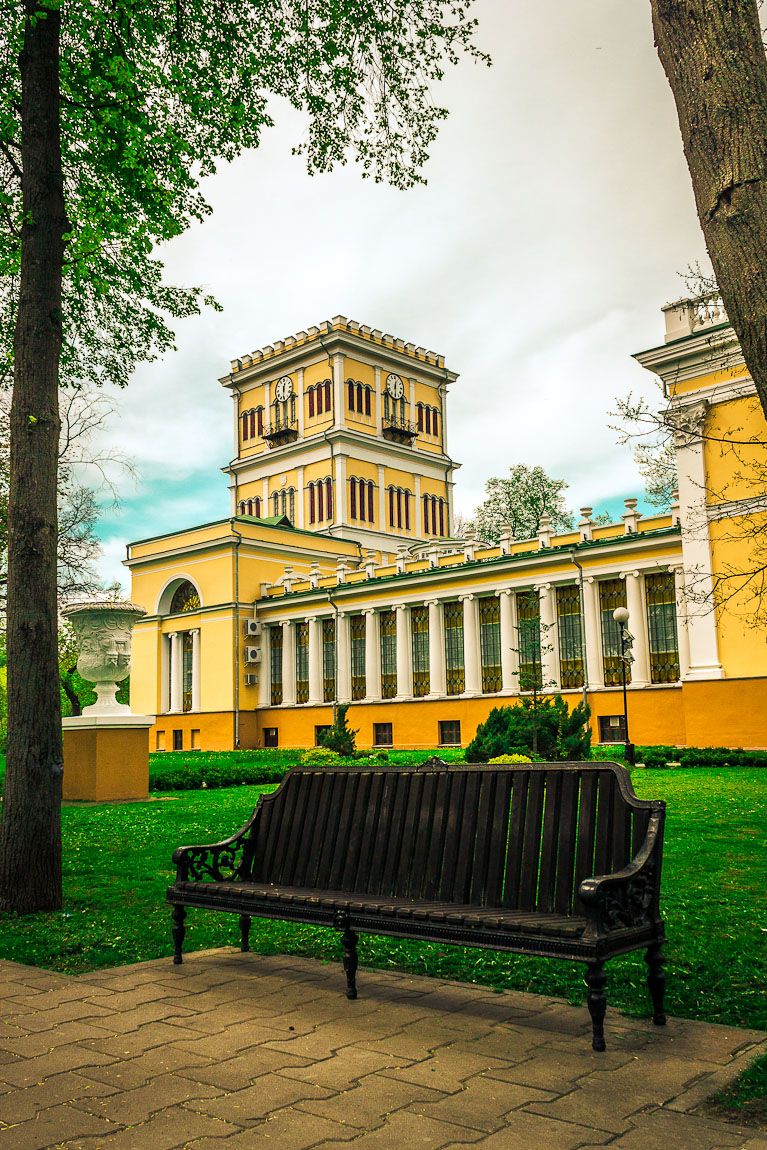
178 914
245 932
349 943
656 981
596 980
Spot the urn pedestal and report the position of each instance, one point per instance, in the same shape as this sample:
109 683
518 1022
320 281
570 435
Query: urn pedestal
106 749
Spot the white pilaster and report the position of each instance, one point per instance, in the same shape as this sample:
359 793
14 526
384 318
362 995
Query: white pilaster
509 642
315 660
176 698
265 669
265 497
300 496
372 656
437 686
341 493
378 404
344 659
164 674
339 407
471 655
637 625
549 638
404 653
688 423
382 521
592 634
682 635
196 669
418 512
288 664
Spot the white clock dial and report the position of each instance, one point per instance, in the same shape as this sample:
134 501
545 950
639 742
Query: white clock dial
395 387
284 388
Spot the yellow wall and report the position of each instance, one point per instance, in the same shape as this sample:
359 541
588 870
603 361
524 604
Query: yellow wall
737 467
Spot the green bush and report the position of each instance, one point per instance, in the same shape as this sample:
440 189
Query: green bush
190 771
546 728
320 757
339 738
502 760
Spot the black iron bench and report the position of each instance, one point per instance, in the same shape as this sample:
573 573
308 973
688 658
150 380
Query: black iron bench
554 859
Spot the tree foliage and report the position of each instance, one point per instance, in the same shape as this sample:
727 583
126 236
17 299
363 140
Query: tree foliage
548 729
519 502
340 737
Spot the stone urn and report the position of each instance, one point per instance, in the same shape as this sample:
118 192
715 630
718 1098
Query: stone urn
103 629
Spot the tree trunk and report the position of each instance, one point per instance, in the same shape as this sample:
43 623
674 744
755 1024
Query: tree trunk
30 834
714 59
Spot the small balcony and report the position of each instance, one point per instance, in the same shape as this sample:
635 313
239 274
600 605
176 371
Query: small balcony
398 430
281 432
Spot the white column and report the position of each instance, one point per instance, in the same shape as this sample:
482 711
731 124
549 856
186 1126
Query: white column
637 625
343 659
339 408
265 670
315 660
372 655
196 669
176 700
404 653
265 497
437 686
549 639
471 653
164 674
340 494
682 635
289 664
509 642
592 634
378 404
300 401
696 548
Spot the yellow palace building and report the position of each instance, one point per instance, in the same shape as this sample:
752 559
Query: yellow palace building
336 578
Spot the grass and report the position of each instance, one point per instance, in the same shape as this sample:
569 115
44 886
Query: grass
117 865
745 1100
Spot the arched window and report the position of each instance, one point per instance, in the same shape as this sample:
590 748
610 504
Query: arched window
391 506
276 503
241 507
419 414
257 508
360 394
185 598
399 507
407 510
326 386
350 391
329 497
244 421
442 516
320 501
312 504
371 516
310 394
426 514
353 498
250 507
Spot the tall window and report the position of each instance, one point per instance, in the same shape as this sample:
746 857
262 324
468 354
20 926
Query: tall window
357 634
660 596
419 625
328 660
250 507
320 500
252 423
362 500
187 669
399 507
570 629
387 621
275 665
455 674
318 397
434 515
283 503
490 644
427 419
612 594
302 662
359 397
284 412
529 632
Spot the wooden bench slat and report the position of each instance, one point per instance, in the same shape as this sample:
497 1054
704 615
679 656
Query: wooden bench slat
302 858
350 785
587 823
531 842
370 832
390 832
516 828
328 841
550 841
287 873
603 843
356 836
417 876
499 834
455 799
621 832
405 868
563 897
464 844
436 855
485 814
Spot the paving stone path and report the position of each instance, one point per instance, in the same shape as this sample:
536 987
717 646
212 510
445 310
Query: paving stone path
242 1052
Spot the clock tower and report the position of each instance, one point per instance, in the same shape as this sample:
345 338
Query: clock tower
342 430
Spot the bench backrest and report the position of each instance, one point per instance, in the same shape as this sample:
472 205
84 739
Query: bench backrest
519 837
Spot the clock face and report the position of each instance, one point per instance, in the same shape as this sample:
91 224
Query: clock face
395 387
284 388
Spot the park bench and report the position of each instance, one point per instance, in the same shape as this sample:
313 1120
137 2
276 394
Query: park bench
553 859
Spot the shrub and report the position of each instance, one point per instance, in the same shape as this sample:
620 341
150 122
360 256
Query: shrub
547 728
508 759
340 738
179 771
320 757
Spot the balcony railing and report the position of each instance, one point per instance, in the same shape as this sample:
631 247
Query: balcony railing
398 430
688 316
281 431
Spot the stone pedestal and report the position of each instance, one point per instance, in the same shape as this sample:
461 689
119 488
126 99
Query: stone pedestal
106 757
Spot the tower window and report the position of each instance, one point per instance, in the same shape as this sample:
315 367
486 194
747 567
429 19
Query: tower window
358 396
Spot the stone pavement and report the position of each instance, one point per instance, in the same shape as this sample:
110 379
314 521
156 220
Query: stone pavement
233 1052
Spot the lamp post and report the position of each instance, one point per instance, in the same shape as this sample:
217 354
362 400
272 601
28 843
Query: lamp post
621 617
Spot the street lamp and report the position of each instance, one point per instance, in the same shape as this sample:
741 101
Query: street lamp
621 617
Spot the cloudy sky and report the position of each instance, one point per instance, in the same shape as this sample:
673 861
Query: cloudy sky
556 221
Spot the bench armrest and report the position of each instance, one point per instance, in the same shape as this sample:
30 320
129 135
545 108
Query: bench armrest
629 897
218 862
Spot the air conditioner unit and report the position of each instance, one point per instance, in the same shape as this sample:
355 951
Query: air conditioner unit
251 680
252 628
252 654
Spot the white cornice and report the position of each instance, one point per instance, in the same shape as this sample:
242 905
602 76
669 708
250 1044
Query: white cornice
714 349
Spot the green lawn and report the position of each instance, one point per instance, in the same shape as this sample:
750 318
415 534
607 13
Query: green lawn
117 864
